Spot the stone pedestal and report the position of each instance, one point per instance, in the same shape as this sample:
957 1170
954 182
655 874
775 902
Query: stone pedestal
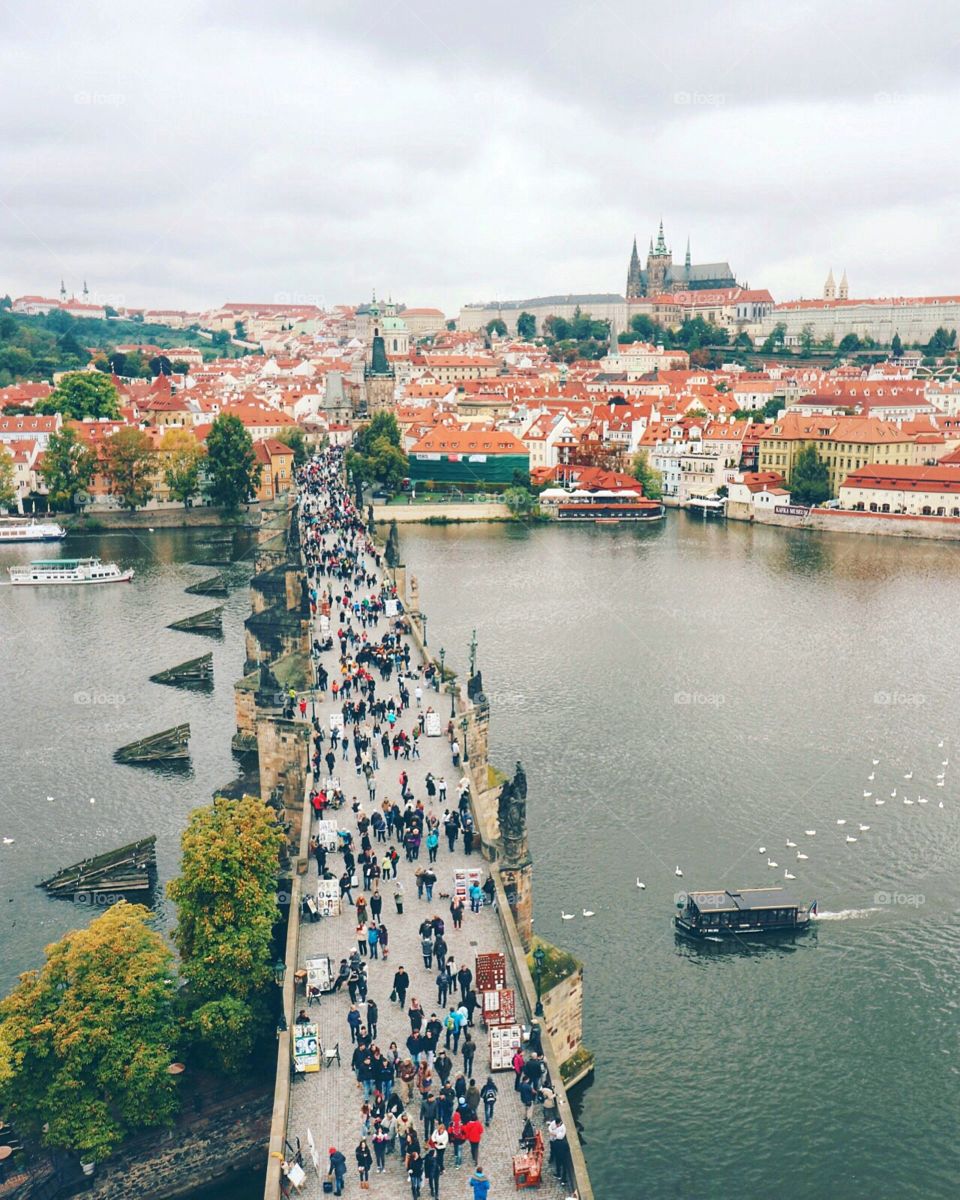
518 885
283 748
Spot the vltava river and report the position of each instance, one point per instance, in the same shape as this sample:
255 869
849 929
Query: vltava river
682 696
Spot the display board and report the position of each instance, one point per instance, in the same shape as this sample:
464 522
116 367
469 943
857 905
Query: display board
498 1006
327 832
504 1043
328 897
431 723
319 972
463 879
305 1046
336 721
391 608
490 971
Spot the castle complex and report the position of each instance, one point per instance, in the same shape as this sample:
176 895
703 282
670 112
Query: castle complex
661 275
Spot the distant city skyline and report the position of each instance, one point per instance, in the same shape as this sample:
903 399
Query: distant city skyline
185 154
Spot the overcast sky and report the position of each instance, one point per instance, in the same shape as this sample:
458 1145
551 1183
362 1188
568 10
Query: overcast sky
187 153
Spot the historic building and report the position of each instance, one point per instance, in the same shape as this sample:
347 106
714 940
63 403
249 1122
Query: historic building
661 275
379 376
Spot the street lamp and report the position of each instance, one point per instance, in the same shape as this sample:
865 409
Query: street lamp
443 655
423 622
279 972
453 703
539 957
464 726
281 1026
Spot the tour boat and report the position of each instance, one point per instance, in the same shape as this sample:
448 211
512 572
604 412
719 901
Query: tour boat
70 570
744 913
707 505
31 531
608 507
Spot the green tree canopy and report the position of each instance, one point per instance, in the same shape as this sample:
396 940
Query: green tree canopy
83 395
86 1041
8 492
896 346
849 344
810 481
382 425
521 502
526 326
232 469
67 468
226 897
647 476
295 440
776 338
129 462
182 457
497 326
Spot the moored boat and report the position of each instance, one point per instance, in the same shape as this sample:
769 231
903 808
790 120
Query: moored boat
69 570
607 507
31 531
743 913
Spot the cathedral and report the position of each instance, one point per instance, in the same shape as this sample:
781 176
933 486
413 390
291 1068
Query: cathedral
660 274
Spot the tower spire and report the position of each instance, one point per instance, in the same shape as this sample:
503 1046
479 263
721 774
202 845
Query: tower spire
63 291
686 261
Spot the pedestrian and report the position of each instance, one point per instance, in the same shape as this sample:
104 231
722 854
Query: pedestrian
338 1168
476 898
401 981
457 1139
428 1114
488 1094
440 1141
431 1169
429 879
464 979
480 1184
456 912
373 1014
415 1173
373 940
426 946
381 1140
398 896
364 1163
442 987
353 1020
472 1096
469 1050
527 1096
473 1132
433 842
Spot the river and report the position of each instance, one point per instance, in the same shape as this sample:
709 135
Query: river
682 696
679 695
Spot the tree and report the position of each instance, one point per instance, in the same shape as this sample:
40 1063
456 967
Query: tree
776 338
129 462
810 481
377 456
647 476
181 366
232 468
226 897
896 346
497 326
221 338
5 302
67 468
806 339
295 440
182 457
239 330
451 326
160 365
8 492
849 344
526 326
88 1038
83 395
941 341
521 502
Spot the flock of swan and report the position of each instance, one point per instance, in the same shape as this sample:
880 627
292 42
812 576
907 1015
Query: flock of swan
842 822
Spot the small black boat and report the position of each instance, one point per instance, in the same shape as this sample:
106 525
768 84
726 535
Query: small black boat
743 913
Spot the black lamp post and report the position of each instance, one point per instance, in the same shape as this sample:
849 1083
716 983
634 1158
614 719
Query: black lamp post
443 655
464 726
423 622
279 972
453 702
539 957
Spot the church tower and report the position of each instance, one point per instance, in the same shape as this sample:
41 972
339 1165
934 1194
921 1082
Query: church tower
378 374
659 264
844 292
830 288
634 276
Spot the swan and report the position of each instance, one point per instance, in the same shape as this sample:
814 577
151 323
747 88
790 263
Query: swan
863 828
879 802
850 839
906 801
8 841
921 800
842 821
909 775
940 805
871 776
771 863
940 743
810 832
867 795
876 762
566 916
791 845
802 857
678 873
945 762
761 849
939 783
50 799
92 801
893 794
787 875
587 913
640 885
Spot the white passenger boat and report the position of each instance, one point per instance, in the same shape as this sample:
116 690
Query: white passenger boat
70 570
31 531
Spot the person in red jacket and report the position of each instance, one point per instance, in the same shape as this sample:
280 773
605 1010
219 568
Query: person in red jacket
473 1132
455 1129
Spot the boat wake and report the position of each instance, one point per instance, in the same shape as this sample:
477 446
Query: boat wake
845 914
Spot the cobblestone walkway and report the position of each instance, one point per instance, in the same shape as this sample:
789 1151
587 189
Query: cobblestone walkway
328 1102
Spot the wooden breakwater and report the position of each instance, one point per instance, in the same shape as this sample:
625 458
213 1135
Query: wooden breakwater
131 868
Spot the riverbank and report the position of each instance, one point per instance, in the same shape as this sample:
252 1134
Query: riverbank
201 517
834 520
440 514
